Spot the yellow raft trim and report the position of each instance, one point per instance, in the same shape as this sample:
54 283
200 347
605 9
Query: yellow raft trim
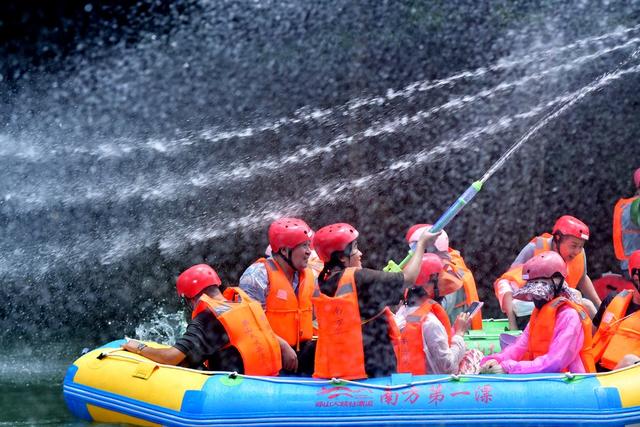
144 374
626 383
107 416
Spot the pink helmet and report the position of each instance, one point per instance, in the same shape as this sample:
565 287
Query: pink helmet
431 264
332 238
194 279
634 261
288 233
544 266
571 226
636 178
441 243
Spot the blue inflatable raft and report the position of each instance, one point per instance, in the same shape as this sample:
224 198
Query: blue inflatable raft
113 386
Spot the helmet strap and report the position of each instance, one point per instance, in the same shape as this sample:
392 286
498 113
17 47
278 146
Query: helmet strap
287 258
436 289
635 277
558 281
557 238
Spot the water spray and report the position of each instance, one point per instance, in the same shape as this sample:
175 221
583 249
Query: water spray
474 188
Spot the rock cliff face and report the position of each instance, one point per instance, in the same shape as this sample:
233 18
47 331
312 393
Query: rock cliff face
138 140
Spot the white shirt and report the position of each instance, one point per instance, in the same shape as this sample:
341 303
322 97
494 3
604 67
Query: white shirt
441 359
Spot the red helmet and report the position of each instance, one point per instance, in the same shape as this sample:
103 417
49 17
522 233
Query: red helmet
332 238
431 264
194 279
634 261
441 243
288 233
636 178
544 266
571 226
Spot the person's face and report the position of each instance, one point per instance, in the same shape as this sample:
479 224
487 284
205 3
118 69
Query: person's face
570 247
300 256
355 259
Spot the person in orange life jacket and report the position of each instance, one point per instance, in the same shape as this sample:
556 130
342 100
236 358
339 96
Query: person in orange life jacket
568 239
228 331
618 323
313 262
626 225
284 284
428 344
355 327
558 336
458 301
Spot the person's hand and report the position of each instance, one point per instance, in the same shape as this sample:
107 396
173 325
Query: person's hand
289 357
428 238
131 345
491 367
461 325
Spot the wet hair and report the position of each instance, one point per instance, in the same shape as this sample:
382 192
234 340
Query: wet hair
329 266
416 295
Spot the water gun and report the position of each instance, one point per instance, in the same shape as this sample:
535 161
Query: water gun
442 222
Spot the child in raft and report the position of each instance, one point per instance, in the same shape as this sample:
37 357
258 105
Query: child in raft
428 344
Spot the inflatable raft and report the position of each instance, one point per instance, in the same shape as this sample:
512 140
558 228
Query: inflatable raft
113 386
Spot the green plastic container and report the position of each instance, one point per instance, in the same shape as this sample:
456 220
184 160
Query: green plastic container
487 340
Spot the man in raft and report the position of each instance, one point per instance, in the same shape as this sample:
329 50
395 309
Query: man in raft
228 331
626 225
618 323
428 344
558 336
284 284
568 238
356 329
458 301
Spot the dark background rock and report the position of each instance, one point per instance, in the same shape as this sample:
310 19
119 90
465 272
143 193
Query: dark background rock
115 175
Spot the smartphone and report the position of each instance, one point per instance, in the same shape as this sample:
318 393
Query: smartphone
473 308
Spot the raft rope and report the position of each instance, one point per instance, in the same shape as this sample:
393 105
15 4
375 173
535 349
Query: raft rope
567 376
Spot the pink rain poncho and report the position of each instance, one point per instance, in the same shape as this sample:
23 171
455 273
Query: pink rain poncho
563 354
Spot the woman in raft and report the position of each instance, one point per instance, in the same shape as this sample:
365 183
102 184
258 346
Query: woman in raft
558 336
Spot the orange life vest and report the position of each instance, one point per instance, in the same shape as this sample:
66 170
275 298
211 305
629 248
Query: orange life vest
575 267
410 350
618 335
290 315
339 350
541 328
248 330
626 235
469 284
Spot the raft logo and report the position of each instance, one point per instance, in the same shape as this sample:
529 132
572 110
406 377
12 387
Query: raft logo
483 394
390 397
344 396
